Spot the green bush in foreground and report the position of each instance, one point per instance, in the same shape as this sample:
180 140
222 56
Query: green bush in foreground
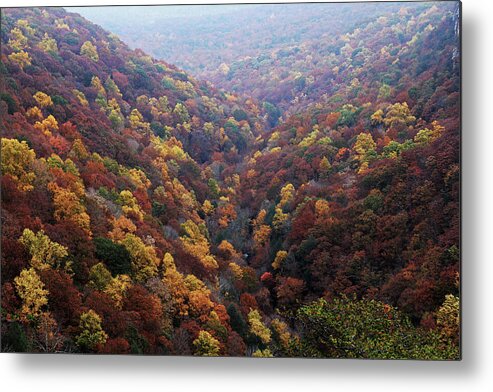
345 328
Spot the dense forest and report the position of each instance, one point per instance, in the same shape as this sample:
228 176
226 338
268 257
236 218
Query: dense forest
297 197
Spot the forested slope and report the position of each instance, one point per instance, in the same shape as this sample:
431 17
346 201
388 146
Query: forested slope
292 55
144 211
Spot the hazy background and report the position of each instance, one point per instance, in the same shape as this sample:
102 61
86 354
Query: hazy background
198 38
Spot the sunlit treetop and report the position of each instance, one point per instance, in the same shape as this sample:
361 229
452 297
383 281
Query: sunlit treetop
90 51
17 161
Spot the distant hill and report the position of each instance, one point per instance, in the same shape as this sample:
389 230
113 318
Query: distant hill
288 55
200 38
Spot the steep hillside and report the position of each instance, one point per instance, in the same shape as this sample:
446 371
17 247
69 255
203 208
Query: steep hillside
109 160
359 194
144 211
375 60
127 92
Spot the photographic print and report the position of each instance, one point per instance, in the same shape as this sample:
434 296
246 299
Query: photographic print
245 180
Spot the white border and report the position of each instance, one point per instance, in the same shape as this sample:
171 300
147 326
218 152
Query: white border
473 373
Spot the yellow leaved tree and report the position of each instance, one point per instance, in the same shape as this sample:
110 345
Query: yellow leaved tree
31 291
117 287
196 244
44 252
365 148
18 40
68 206
287 195
43 99
91 332
261 231
90 51
257 327
21 58
398 115
47 126
206 345
17 161
144 260
48 44
280 257
130 205
448 317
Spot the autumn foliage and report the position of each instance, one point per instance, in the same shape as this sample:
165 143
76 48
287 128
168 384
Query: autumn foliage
147 212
